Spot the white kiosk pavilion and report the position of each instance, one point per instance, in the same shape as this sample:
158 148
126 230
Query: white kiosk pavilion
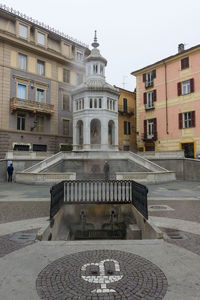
95 108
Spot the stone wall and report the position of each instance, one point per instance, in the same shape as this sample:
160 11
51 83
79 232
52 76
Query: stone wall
19 165
186 169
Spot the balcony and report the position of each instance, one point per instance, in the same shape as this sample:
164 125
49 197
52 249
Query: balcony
31 106
125 110
147 138
149 84
147 107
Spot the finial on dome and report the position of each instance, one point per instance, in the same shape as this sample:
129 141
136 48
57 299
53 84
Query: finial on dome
95 44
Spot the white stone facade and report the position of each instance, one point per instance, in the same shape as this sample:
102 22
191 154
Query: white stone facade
95 108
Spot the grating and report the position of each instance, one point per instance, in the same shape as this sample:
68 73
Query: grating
23 237
159 208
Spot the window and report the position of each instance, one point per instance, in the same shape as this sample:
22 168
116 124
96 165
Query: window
40 67
125 105
127 127
185 87
99 102
22 61
39 147
79 78
95 69
90 103
79 56
65 127
21 121
41 39
186 120
21 91
23 31
150 128
66 102
66 76
185 63
148 78
40 95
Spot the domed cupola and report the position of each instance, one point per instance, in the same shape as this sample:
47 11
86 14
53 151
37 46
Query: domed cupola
95 62
95 107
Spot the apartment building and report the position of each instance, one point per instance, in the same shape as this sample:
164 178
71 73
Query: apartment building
39 67
168 101
127 120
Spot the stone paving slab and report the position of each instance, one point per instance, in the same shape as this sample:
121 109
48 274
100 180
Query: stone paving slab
19 270
188 226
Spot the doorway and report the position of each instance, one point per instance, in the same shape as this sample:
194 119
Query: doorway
188 149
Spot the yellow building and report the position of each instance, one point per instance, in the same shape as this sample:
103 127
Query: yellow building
127 120
39 67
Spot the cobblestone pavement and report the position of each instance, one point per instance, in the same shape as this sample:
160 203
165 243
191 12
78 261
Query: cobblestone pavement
184 210
101 274
15 211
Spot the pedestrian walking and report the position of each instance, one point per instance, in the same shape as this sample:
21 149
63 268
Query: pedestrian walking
10 170
106 170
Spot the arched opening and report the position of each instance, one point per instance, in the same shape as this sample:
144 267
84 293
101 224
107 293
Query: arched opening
79 133
95 132
111 133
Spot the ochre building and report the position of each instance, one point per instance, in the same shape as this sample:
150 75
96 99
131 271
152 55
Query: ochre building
168 101
127 120
39 67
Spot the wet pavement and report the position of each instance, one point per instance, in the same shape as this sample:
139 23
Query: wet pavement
27 263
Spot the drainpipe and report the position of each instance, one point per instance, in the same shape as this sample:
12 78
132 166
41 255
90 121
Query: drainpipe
166 97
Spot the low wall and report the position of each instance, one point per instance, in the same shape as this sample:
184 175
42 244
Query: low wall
19 165
185 169
44 178
3 170
147 177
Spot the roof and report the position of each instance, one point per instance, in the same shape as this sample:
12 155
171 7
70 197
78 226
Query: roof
167 58
133 92
12 12
95 85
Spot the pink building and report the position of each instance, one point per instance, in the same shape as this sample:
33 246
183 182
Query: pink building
168 103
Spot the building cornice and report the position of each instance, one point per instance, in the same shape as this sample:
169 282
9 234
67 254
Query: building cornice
167 60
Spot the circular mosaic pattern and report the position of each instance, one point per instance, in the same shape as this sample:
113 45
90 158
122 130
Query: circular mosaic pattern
101 274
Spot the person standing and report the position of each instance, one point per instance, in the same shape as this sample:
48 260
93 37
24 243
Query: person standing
106 170
10 170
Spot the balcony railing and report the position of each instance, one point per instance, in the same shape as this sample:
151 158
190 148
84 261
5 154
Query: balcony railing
32 106
125 110
149 84
147 107
146 137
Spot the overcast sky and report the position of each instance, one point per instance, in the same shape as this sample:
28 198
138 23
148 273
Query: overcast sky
132 33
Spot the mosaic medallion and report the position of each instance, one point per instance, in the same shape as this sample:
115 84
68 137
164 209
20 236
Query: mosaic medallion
101 274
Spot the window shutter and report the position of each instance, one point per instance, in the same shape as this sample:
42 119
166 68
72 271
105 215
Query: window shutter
145 129
180 121
155 127
145 98
192 85
154 73
154 95
179 88
193 121
144 77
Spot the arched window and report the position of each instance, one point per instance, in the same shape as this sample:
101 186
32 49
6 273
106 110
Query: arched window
99 102
90 102
95 103
95 132
79 132
111 133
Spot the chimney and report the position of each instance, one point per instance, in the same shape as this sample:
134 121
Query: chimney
181 48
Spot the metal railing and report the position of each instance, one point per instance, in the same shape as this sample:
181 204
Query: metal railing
99 192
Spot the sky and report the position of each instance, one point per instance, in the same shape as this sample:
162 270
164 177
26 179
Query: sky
132 33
